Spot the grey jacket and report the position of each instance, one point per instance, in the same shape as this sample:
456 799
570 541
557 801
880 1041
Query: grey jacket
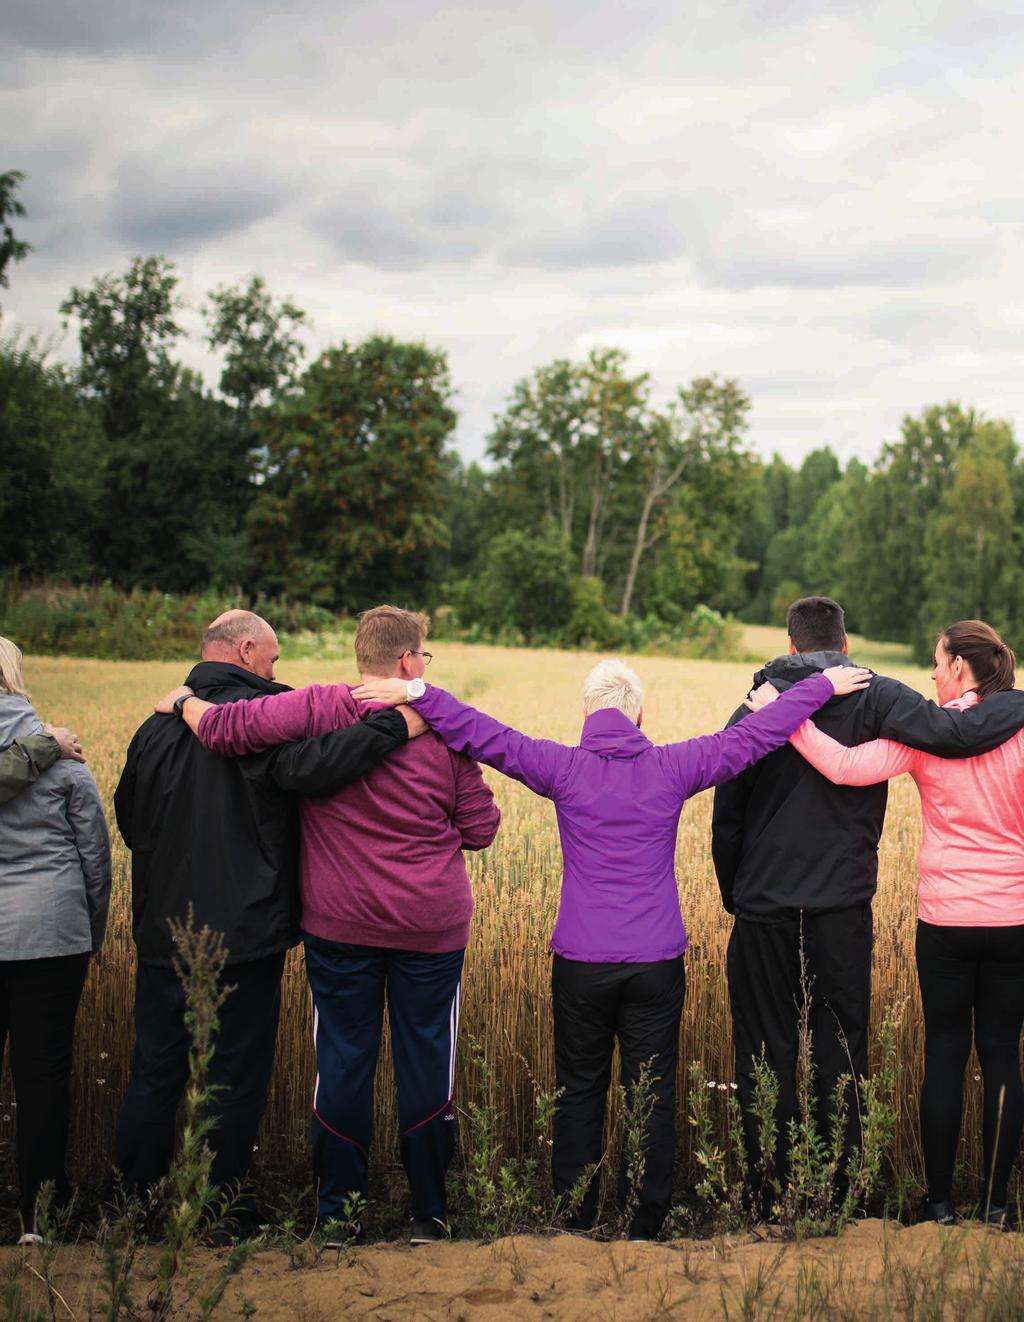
54 855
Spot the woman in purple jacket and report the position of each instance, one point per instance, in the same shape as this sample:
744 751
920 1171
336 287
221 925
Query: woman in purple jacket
619 938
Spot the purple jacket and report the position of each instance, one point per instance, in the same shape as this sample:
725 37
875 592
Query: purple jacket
618 798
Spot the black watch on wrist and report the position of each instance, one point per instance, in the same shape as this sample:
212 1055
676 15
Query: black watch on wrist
179 703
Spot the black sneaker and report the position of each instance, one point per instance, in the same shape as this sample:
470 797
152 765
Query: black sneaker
942 1212
428 1230
995 1216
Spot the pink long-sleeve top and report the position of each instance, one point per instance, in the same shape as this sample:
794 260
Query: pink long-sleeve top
971 866
382 859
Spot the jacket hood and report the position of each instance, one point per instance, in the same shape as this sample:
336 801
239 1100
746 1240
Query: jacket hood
17 717
212 680
610 733
785 671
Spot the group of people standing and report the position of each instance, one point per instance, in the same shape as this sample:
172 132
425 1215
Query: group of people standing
339 816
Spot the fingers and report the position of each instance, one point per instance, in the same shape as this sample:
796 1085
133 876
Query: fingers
390 691
166 704
848 679
67 741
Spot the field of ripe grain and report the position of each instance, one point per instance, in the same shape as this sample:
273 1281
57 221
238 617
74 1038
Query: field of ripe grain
506 992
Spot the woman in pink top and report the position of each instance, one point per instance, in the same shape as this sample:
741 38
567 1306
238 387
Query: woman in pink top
970 931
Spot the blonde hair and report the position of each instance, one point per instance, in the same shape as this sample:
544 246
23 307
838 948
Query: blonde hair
384 634
612 684
12 676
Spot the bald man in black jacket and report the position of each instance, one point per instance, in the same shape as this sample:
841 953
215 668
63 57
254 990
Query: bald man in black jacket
221 835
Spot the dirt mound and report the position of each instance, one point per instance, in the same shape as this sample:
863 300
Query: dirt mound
874 1270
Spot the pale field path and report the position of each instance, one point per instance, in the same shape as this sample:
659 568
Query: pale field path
506 1004
876 1271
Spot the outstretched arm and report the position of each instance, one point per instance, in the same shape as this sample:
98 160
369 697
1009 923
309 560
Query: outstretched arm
538 763
865 764
711 759
911 719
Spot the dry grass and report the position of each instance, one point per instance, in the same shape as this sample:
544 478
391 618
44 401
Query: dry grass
516 885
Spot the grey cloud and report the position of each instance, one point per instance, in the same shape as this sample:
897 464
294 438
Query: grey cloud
173 210
125 25
634 232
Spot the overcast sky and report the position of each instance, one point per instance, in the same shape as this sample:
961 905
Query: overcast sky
823 200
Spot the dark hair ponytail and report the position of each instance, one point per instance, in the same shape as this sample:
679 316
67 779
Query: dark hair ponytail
984 651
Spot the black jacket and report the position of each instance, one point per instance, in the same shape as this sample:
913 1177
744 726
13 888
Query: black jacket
784 838
222 833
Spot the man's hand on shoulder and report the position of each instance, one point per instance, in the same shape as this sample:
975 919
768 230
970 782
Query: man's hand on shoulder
166 704
67 742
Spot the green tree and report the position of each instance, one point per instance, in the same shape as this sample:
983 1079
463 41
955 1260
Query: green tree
48 479
819 470
175 472
972 561
526 586
257 336
702 427
563 440
12 249
830 567
351 501
887 536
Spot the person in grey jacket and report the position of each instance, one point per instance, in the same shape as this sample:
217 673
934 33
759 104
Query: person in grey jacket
54 892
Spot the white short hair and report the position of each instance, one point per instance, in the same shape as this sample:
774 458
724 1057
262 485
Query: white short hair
612 684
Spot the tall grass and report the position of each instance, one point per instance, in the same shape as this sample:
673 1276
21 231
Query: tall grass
507 979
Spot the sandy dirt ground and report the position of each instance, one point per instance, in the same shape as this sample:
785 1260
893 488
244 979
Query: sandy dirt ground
875 1270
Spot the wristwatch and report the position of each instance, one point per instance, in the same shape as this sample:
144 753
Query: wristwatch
179 703
414 688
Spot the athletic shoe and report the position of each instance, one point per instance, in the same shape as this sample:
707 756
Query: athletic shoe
30 1237
428 1230
995 1216
942 1212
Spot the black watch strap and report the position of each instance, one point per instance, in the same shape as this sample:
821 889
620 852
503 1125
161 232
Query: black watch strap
179 703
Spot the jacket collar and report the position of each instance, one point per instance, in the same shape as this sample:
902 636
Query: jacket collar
792 667
611 733
211 679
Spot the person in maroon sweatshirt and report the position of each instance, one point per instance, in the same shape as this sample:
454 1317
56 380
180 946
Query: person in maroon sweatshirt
386 905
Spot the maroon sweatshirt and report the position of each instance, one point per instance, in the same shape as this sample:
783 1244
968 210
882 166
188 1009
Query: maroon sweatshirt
382 859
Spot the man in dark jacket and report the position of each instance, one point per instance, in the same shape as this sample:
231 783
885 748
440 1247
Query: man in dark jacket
797 864
221 835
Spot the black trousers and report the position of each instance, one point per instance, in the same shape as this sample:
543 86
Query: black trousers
641 1004
242 1064
971 977
766 991
38 1004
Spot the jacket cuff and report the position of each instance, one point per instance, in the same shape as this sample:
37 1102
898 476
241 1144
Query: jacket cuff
389 721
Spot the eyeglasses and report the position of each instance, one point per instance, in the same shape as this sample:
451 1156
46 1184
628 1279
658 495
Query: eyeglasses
411 651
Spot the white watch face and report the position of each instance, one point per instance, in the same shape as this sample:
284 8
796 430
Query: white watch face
415 688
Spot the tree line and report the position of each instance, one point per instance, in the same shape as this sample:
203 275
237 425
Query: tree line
603 514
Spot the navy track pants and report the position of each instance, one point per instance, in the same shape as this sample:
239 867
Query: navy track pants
348 985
